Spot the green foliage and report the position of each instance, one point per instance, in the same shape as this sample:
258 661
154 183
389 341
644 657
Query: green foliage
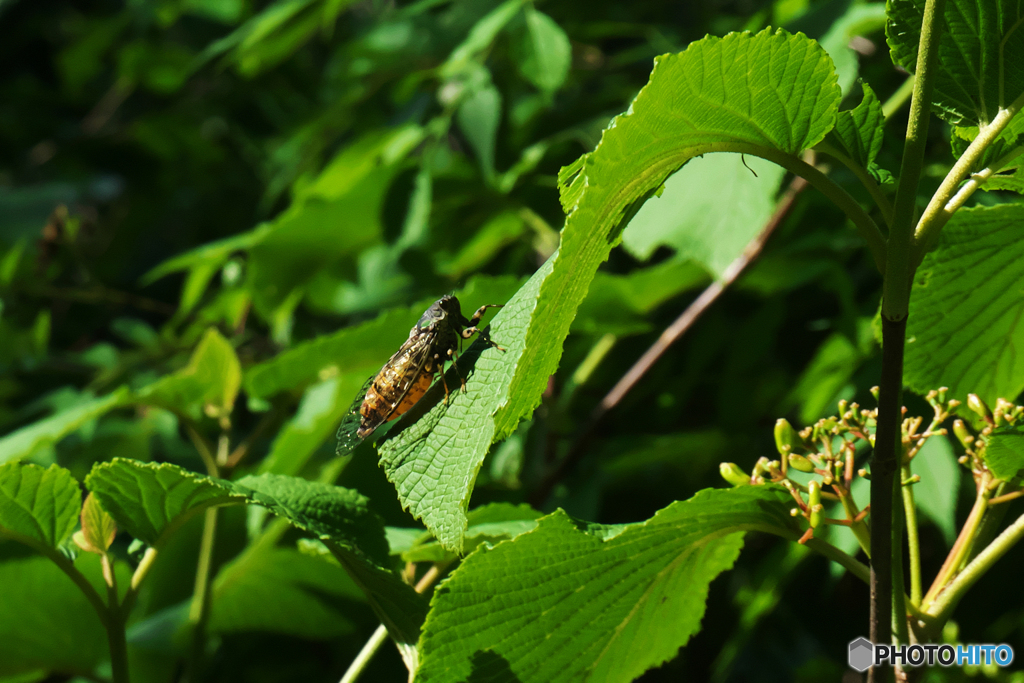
38 506
219 219
1005 453
146 499
38 435
977 75
45 621
611 588
963 330
209 382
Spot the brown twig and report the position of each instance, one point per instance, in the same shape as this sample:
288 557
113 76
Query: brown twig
103 295
671 334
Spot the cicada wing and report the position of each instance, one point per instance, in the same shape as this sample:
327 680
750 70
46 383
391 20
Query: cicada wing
395 379
347 438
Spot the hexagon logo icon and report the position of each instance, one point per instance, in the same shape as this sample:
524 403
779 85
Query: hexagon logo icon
861 654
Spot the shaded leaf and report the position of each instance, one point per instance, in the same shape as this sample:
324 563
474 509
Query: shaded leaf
355 537
46 432
544 53
964 330
978 71
46 623
281 590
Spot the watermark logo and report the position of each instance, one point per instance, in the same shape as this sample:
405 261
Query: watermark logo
864 654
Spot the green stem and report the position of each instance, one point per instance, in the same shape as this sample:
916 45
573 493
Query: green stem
865 178
899 263
900 628
913 541
884 482
858 527
898 275
116 637
199 611
960 549
895 102
942 205
858 569
947 600
365 655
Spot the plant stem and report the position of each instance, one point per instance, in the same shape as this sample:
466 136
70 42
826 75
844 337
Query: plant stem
884 468
913 542
960 548
116 637
941 206
947 600
199 611
899 272
380 635
896 100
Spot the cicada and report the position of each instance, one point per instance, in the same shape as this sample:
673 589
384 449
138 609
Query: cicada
408 374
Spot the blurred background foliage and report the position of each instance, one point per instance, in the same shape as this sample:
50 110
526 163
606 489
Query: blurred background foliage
282 171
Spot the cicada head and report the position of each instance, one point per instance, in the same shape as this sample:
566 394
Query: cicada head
445 309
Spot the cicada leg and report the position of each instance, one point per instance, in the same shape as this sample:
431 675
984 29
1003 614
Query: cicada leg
472 329
458 372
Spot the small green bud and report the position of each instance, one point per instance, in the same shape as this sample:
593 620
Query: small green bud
962 434
864 474
785 436
799 462
814 503
913 479
975 403
942 394
1003 407
874 392
732 473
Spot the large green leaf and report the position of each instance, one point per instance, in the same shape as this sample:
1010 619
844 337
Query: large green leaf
708 212
46 623
148 499
568 602
964 329
280 590
936 493
50 430
355 536
979 67
1005 452
38 506
211 378
767 94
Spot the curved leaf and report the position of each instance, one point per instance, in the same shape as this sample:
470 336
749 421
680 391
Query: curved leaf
147 498
567 602
770 94
964 328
